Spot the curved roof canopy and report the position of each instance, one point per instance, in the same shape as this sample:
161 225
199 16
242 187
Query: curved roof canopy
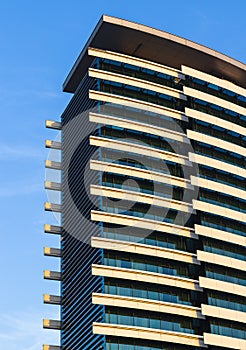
134 39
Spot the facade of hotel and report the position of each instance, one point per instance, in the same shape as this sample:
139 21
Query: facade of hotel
153 228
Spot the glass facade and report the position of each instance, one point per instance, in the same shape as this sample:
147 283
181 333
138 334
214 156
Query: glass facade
153 204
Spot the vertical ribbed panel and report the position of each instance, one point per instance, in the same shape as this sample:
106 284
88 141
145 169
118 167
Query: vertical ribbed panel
78 312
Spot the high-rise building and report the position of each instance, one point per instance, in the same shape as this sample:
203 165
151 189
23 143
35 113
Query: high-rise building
153 229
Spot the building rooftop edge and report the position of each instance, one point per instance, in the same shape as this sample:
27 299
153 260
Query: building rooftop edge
81 64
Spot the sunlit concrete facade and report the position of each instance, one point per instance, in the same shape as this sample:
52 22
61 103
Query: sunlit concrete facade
153 235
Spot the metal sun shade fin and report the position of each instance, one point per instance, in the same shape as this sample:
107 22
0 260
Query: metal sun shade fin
51 124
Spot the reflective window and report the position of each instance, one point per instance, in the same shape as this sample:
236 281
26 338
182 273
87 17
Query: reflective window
146 117
216 91
143 139
142 95
142 185
147 211
218 132
223 223
218 111
141 162
138 72
114 343
228 301
152 292
222 177
219 154
147 263
154 238
167 322
226 274
224 248
229 329
222 200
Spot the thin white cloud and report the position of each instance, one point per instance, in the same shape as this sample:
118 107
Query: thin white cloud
47 94
23 331
29 92
18 189
7 152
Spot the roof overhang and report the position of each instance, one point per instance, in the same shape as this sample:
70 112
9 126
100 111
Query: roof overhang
134 39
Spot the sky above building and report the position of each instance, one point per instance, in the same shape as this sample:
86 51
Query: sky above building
40 41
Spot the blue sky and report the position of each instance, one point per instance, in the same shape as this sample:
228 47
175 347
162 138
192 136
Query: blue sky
40 40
